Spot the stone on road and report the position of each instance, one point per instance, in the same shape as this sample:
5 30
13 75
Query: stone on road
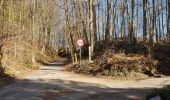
51 82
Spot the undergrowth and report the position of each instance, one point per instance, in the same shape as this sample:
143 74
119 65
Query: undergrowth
125 60
17 58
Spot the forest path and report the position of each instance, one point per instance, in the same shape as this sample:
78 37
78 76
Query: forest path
51 82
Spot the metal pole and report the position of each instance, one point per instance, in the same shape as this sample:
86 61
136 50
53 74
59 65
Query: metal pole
80 56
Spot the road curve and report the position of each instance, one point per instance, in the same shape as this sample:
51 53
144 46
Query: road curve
50 82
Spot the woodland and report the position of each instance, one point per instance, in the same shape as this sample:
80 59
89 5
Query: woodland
128 38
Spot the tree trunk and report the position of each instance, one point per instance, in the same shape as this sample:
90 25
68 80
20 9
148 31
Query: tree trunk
151 41
168 18
131 33
144 20
114 20
92 25
73 49
107 32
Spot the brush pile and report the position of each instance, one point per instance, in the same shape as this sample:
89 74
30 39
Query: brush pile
112 64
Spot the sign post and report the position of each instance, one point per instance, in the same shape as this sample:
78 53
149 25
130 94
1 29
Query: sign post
90 60
80 56
80 43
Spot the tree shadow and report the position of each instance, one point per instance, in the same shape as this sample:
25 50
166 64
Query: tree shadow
56 89
59 63
54 64
161 52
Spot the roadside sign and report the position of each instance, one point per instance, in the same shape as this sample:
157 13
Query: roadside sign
80 42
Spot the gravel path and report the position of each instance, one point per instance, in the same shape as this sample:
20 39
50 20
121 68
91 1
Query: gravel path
50 82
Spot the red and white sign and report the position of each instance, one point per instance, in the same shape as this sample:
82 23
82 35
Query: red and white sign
80 42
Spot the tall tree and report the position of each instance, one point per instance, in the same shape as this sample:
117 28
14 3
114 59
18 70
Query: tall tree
168 18
152 33
144 20
131 33
114 19
123 19
70 38
92 25
108 28
162 17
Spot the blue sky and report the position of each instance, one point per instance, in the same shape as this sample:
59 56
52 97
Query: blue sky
139 24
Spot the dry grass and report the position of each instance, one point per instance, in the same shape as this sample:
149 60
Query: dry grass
17 58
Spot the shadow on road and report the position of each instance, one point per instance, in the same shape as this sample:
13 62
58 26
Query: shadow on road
55 65
56 89
59 63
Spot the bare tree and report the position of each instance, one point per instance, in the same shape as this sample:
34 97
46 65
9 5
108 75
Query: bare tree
107 32
168 18
144 20
92 24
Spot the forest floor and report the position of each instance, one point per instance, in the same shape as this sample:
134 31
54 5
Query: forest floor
52 82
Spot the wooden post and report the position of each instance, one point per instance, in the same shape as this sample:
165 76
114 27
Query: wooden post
76 59
15 54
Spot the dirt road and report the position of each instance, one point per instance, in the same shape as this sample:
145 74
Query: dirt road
50 82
